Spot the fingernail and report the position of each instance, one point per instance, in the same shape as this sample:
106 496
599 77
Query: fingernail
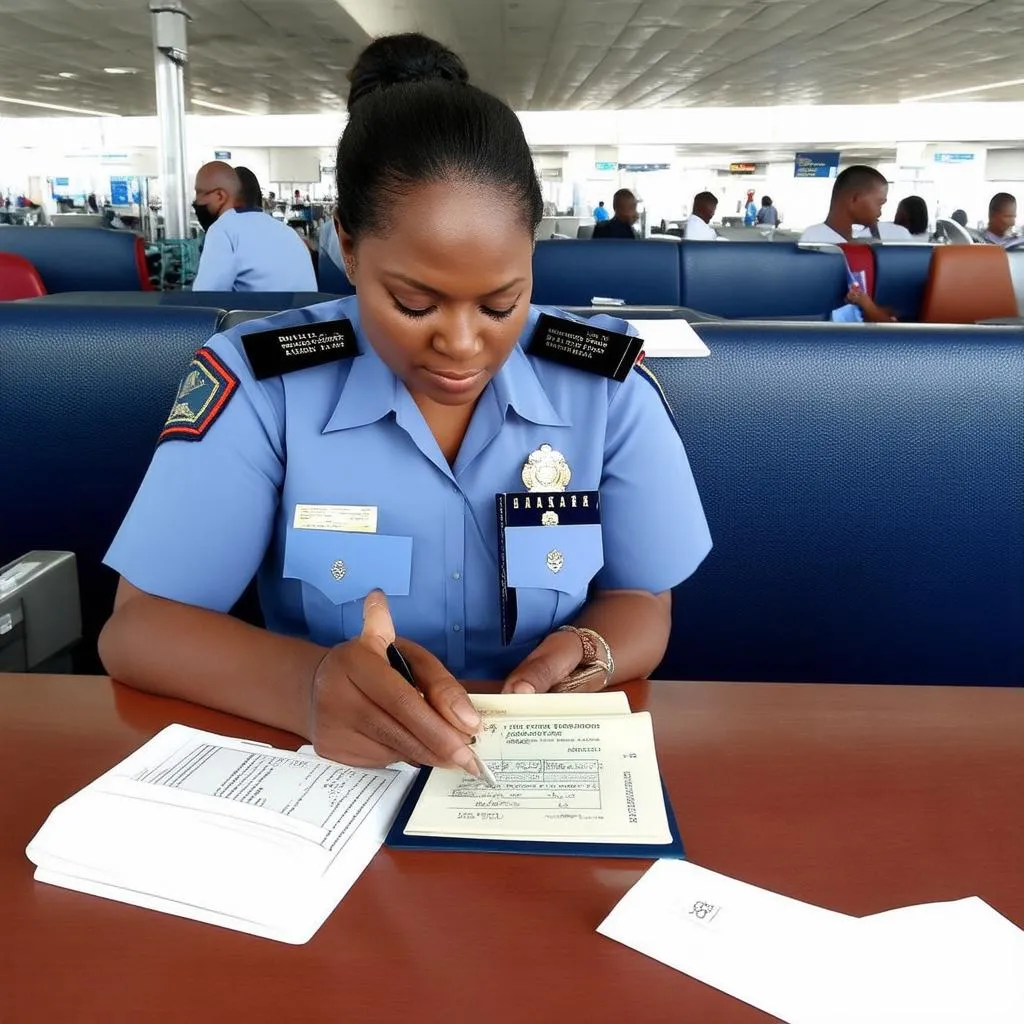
466 713
523 688
467 761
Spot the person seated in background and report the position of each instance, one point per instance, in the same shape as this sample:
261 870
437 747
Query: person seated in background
698 225
271 203
1002 216
858 195
912 217
252 194
600 213
959 217
768 216
245 250
621 225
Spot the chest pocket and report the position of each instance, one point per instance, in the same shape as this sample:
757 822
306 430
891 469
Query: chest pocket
551 568
337 570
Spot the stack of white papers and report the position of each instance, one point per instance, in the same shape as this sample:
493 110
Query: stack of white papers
224 831
935 964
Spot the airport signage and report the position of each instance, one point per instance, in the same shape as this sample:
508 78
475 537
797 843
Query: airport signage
953 158
816 165
742 168
642 168
222 154
61 182
606 165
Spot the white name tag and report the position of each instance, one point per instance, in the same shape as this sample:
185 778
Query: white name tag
343 518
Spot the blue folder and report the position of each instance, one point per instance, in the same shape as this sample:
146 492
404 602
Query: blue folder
398 840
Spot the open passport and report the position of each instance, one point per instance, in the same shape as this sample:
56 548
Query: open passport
267 841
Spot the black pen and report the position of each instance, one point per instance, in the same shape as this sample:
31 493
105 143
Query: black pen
401 666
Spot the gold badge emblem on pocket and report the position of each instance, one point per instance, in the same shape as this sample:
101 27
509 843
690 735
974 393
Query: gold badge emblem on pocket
555 560
338 570
546 470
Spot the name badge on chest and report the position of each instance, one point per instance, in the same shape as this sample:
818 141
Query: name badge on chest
529 524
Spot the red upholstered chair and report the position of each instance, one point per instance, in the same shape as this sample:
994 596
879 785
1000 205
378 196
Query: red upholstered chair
861 258
19 278
140 262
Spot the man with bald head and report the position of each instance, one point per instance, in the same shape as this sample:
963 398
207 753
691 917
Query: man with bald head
245 249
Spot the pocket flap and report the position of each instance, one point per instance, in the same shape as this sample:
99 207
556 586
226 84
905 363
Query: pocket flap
347 566
564 558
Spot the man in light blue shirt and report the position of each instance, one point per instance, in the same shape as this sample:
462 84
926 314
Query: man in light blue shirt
245 249
600 213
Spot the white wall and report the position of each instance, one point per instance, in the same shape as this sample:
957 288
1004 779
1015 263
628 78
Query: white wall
85 146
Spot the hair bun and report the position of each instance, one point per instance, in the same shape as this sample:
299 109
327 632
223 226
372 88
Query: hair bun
406 58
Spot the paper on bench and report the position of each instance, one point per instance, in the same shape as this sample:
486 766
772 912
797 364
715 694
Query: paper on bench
669 338
224 831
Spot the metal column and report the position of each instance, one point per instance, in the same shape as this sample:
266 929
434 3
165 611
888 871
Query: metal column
170 41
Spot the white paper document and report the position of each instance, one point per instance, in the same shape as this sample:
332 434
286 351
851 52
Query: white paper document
945 963
568 767
223 831
670 338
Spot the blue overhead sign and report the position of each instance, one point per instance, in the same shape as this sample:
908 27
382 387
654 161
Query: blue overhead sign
222 154
953 158
816 165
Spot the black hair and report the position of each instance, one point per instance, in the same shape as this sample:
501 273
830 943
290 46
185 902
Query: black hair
251 193
766 200
912 213
705 197
601 203
959 217
999 200
414 117
622 193
856 179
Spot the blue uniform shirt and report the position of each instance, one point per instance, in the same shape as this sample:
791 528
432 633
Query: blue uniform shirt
601 213
253 252
212 513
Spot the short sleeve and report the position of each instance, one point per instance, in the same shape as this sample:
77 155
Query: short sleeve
217 264
204 516
655 533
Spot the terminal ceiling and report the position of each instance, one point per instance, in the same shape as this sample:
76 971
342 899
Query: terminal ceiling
291 56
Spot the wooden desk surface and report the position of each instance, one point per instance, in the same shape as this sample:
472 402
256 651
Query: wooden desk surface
858 799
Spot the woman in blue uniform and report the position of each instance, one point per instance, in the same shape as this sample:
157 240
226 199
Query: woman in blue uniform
349 456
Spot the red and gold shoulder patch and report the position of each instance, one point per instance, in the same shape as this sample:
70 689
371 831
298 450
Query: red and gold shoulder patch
202 395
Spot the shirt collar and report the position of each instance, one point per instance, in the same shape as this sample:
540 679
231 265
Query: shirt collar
371 391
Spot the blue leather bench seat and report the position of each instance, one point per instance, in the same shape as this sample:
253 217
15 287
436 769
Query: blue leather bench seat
751 280
268 301
80 259
864 485
865 492
84 392
570 272
901 273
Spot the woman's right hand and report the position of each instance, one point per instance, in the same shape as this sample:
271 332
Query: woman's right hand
363 713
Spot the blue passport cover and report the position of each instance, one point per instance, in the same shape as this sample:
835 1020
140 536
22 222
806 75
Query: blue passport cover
397 839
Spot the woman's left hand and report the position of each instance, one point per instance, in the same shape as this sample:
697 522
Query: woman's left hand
551 661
